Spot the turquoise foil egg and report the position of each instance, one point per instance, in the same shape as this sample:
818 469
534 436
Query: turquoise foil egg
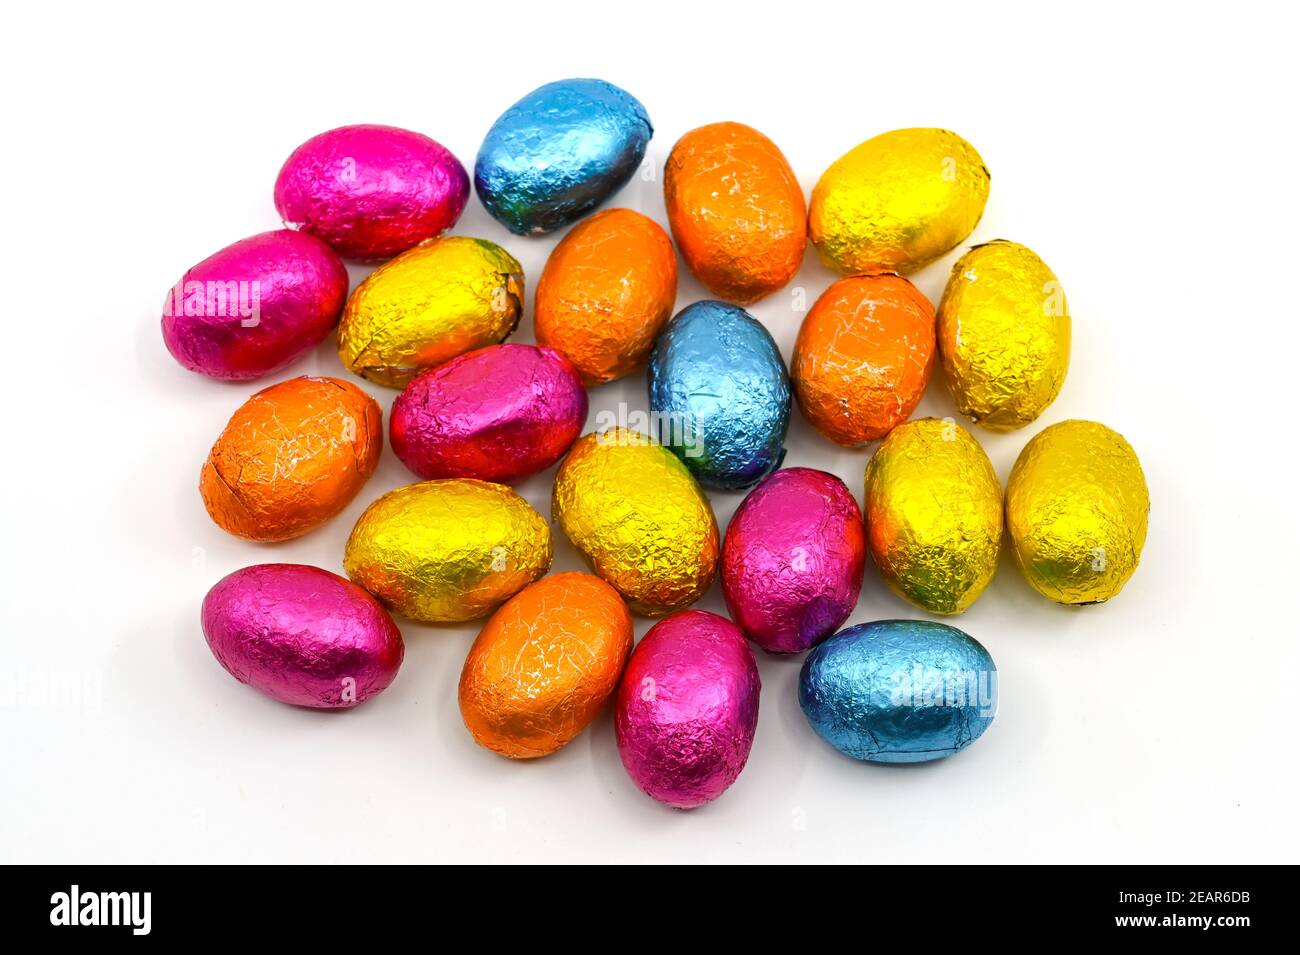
899 691
560 152
720 395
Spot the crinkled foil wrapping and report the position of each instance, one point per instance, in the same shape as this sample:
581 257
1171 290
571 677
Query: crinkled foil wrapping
899 691
687 709
255 307
371 191
635 513
559 152
448 551
1004 335
897 201
793 558
720 395
606 292
934 514
430 304
863 357
1077 507
291 457
500 413
545 664
736 210
302 635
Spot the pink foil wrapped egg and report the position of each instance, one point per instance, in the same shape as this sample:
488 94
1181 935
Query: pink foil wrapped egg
302 635
371 191
256 306
687 708
793 558
500 413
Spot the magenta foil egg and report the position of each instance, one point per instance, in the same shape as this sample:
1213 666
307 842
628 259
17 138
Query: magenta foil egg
792 559
302 635
687 708
371 191
256 306
501 413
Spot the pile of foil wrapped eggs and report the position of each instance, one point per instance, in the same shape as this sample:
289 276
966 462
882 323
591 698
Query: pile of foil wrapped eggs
476 414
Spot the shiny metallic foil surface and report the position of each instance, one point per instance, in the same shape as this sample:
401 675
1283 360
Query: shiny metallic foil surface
863 357
736 210
934 514
291 457
371 191
1004 335
560 152
500 413
720 395
687 709
545 664
606 292
255 307
1077 507
792 559
898 201
632 509
302 635
448 551
899 691
439 300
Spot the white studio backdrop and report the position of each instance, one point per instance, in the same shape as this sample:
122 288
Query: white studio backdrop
1148 156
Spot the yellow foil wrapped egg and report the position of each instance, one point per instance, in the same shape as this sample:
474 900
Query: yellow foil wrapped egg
635 512
545 665
898 201
1004 335
1077 506
934 514
448 551
436 301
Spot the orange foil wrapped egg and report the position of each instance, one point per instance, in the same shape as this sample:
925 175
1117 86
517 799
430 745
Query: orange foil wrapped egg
736 210
863 357
606 293
291 457
545 664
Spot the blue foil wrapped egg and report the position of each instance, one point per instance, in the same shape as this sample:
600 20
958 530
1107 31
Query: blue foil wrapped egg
560 152
899 691
720 395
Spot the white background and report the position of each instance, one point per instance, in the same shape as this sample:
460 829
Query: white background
1150 158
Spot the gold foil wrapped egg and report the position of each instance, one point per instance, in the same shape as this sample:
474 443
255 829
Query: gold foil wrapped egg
448 551
545 664
433 302
736 210
898 201
934 515
292 456
1077 508
1004 335
606 293
635 512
